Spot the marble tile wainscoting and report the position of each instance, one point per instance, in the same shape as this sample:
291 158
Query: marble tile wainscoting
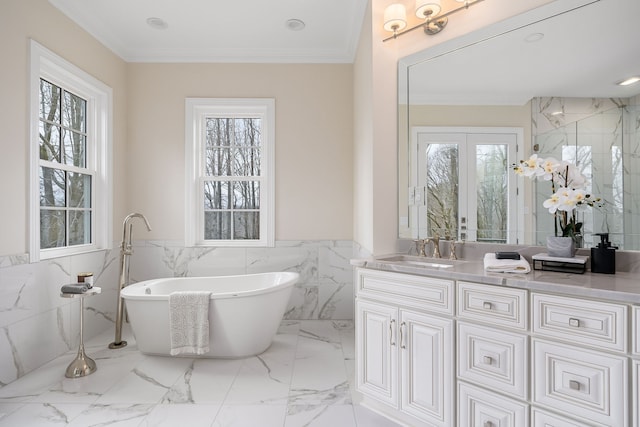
324 291
37 325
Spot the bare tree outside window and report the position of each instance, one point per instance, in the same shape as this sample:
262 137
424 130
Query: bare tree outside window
231 186
442 189
491 178
65 183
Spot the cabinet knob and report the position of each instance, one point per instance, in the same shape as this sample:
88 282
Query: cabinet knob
487 360
574 385
487 424
487 305
574 322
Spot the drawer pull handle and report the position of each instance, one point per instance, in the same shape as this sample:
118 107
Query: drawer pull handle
487 305
574 322
574 385
487 360
402 326
392 342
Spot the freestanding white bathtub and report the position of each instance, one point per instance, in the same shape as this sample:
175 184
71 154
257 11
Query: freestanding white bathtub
244 313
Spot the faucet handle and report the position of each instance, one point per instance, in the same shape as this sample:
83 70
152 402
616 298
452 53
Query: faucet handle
452 249
420 244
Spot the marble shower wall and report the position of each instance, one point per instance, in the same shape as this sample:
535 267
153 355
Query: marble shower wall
37 325
604 129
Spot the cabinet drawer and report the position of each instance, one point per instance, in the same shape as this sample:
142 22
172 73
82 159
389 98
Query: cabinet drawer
480 408
407 290
580 382
493 358
540 418
593 323
493 304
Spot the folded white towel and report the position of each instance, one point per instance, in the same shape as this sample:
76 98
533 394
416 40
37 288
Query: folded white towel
505 265
189 322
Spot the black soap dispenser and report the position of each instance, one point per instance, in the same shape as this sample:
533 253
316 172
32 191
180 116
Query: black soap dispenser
603 257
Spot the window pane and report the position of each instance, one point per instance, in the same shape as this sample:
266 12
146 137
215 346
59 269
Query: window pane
52 229
442 189
217 225
491 179
217 195
79 190
246 162
49 142
247 132
219 132
79 227
49 102
74 112
52 187
246 225
74 148
246 195
217 162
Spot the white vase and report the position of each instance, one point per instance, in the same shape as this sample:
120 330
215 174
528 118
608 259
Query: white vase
562 247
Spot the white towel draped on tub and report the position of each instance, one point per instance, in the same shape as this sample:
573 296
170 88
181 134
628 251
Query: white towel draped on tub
492 264
189 322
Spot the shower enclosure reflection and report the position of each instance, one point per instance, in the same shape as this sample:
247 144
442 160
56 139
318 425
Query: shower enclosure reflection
602 138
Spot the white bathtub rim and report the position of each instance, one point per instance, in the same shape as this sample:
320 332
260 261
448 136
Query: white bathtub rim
136 291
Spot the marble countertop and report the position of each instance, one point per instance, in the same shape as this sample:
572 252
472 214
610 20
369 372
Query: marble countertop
620 287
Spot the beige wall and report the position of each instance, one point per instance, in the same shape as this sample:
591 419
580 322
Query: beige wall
314 130
37 19
314 133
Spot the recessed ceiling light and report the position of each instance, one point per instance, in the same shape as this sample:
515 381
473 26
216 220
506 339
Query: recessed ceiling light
157 23
534 37
295 24
629 81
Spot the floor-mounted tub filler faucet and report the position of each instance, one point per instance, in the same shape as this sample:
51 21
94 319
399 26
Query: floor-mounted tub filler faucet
126 249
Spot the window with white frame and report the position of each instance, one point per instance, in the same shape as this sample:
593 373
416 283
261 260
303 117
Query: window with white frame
70 154
230 176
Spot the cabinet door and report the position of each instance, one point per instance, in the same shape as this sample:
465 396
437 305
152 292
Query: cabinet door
427 359
377 355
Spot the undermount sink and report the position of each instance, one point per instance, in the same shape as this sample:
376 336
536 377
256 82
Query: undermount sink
418 261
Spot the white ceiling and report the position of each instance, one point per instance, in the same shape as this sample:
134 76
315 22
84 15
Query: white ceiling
222 30
583 53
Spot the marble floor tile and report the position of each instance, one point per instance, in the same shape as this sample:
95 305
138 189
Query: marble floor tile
36 414
181 415
320 416
250 416
305 378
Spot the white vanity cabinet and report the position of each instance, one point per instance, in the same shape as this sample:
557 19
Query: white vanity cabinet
404 354
440 352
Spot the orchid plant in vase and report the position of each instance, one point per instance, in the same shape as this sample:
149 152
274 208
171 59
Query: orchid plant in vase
568 187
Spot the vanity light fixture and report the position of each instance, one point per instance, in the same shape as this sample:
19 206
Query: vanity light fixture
427 11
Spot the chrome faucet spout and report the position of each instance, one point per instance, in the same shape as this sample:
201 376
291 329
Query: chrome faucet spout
126 249
436 246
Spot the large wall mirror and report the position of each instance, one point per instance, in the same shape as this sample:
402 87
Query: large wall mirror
543 83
